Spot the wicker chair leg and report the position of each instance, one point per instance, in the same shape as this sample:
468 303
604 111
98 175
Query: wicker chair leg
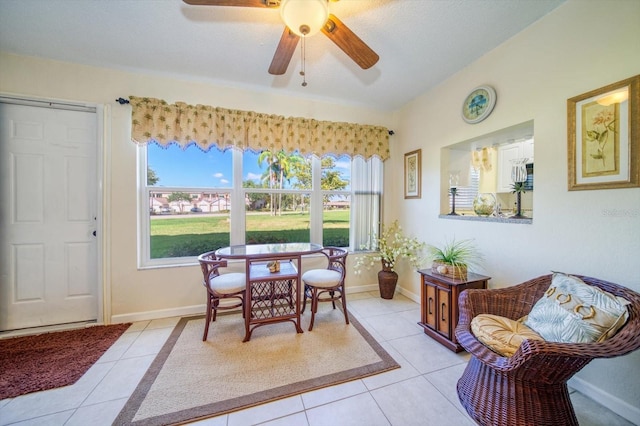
314 306
208 319
216 302
344 305
495 398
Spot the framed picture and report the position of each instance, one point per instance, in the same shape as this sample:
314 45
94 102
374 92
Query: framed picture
412 174
603 141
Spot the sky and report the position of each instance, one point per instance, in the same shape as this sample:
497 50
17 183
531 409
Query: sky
195 168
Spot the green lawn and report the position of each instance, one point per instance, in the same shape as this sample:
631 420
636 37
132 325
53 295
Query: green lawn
191 235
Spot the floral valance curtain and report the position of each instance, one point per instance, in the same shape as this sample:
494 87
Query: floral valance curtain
156 120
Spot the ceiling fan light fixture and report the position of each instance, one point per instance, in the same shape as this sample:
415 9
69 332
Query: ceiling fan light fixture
304 17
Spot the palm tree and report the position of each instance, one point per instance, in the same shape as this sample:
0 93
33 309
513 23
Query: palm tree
270 174
279 168
286 163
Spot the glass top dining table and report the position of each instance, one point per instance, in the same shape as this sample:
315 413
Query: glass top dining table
264 251
271 296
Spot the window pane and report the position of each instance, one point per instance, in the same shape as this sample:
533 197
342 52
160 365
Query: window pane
277 218
192 167
335 181
189 200
336 173
201 226
335 221
275 170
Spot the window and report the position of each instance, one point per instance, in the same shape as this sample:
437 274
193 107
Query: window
189 200
466 194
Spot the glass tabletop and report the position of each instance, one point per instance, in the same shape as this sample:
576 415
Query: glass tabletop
266 250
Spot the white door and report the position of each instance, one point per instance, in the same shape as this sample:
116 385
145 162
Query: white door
48 193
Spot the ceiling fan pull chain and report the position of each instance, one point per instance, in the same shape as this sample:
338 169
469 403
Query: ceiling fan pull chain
303 53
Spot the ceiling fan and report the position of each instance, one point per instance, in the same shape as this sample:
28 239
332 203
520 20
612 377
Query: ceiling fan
302 19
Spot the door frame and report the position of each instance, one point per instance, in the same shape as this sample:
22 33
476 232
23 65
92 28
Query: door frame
102 114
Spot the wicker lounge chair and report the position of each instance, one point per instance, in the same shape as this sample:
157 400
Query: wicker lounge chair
530 387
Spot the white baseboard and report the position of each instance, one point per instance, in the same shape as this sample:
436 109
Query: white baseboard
362 288
161 313
410 295
613 403
376 287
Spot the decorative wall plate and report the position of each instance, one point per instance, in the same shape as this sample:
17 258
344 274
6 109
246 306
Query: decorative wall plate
478 104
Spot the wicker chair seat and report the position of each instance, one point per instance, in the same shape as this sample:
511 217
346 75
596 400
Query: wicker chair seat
228 283
322 278
530 387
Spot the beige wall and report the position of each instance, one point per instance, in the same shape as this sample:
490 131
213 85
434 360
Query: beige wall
579 47
133 294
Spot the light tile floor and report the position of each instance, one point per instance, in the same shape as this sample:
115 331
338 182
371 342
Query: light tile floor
422 392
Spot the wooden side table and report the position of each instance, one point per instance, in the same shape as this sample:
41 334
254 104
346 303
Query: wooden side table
439 304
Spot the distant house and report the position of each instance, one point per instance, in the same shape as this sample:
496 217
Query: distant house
337 205
158 205
213 203
180 206
205 201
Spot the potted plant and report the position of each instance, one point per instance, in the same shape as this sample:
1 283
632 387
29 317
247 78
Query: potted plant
390 247
454 258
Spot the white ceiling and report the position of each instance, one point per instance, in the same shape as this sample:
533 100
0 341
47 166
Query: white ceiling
420 42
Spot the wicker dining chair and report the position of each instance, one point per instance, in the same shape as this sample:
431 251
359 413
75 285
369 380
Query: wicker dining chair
326 285
530 387
220 286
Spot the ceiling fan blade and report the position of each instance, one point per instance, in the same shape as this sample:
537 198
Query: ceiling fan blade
350 43
241 3
284 52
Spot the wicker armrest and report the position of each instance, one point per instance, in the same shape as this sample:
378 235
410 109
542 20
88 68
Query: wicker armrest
510 302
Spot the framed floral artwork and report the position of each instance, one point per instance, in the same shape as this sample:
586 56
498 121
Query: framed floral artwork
603 140
412 174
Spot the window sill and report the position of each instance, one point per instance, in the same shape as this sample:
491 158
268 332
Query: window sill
524 221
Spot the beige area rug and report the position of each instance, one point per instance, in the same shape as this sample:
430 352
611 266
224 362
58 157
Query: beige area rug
191 379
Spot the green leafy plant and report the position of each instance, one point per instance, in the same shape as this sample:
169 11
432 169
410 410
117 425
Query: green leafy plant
392 245
518 188
458 254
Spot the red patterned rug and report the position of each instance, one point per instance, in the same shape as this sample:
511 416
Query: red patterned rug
51 360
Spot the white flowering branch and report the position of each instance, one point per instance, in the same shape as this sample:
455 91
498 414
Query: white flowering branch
391 246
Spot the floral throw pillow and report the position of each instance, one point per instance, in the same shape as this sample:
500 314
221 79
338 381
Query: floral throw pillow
500 334
572 311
